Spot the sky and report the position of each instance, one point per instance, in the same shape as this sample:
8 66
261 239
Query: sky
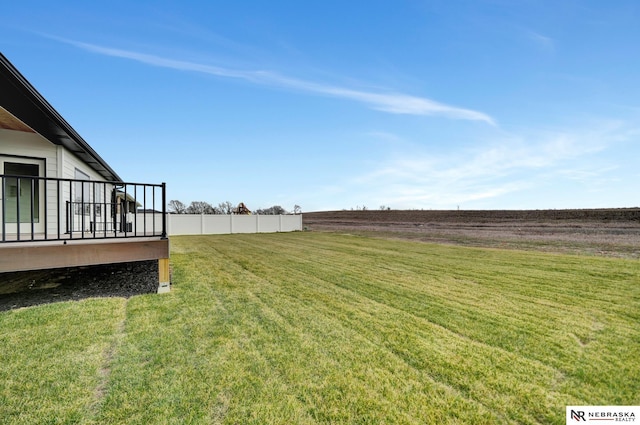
331 105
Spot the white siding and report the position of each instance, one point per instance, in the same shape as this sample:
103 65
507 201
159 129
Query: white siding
34 146
59 162
71 162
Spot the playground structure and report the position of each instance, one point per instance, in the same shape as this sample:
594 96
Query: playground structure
242 209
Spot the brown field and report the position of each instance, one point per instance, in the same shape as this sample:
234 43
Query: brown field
608 232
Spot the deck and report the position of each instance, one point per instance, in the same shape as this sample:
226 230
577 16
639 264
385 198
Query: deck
48 223
37 255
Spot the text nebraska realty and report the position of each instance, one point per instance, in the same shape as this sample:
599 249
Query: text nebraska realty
623 416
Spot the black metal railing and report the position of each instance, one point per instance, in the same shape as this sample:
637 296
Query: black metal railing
48 209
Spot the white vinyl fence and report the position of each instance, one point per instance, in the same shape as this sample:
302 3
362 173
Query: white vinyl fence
215 224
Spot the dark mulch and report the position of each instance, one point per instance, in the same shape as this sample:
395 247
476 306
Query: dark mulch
24 289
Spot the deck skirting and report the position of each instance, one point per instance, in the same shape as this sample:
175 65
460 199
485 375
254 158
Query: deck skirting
36 256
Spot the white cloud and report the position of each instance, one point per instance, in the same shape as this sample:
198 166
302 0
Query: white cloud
506 166
395 103
542 41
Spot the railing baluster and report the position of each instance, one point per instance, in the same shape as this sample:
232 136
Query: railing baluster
71 213
144 209
153 217
126 211
46 199
104 210
135 210
18 207
4 213
92 210
58 205
32 200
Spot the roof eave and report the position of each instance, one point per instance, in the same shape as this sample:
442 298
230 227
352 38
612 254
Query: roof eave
22 100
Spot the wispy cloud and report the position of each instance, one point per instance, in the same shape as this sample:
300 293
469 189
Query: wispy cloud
395 103
507 166
546 43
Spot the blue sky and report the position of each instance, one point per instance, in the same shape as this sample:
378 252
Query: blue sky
336 105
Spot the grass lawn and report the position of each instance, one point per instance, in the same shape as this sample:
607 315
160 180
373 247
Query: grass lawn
305 328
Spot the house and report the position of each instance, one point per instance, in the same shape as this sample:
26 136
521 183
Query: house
61 204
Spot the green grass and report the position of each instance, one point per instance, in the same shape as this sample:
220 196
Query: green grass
311 328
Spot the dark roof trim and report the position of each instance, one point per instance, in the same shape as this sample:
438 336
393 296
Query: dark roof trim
22 100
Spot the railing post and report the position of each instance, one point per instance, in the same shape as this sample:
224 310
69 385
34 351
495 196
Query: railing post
164 210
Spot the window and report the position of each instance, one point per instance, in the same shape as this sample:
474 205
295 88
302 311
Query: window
22 193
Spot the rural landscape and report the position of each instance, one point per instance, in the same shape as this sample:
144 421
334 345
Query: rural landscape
606 231
319 213
363 318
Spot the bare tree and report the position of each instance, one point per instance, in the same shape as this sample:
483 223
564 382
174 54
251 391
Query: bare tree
297 209
274 210
177 207
225 207
200 207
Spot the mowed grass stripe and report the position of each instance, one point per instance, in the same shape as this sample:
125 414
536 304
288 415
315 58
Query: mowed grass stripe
500 306
256 380
337 406
53 360
450 353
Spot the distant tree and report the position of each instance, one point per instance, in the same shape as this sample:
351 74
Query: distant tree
200 207
274 210
225 208
297 209
177 207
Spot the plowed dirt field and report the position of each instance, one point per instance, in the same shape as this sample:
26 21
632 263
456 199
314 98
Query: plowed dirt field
609 232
